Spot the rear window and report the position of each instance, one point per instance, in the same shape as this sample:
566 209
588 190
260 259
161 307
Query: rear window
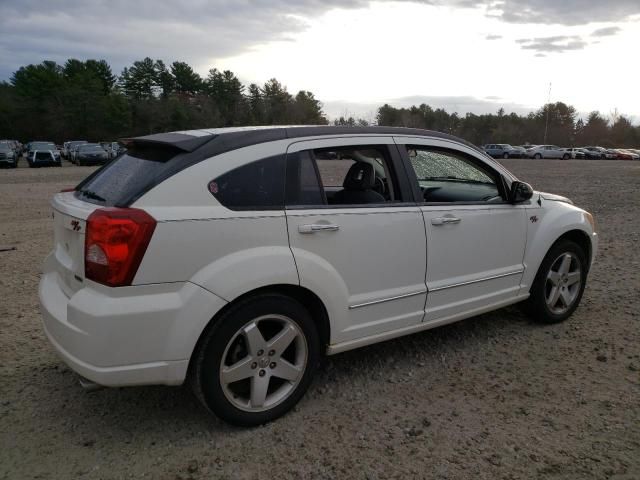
123 180
43 156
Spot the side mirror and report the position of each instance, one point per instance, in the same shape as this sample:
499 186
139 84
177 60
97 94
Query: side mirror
520 192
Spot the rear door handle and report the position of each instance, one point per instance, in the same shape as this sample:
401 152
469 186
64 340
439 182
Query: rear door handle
445 220
318 227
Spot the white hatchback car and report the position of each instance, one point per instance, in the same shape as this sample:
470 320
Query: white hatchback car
235 258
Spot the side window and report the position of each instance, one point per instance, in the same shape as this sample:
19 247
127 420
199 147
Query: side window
257 185
353 175
448 176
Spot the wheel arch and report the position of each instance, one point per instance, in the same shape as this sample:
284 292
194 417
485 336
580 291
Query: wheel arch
579 237
306 297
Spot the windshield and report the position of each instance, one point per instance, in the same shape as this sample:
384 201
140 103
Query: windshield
42 146
91 148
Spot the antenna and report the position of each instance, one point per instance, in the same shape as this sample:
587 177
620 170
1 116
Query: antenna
546 123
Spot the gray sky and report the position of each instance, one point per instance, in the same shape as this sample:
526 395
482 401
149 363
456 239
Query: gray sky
463 55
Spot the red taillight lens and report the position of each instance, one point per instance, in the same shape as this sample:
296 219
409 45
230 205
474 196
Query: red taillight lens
115 242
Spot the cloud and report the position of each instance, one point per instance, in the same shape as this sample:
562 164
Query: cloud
557 44
121 31
563 12
493 37
605 32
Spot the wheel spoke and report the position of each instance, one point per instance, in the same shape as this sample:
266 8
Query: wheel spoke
565 265
573 277
255 340
259 387
286 370
566 297
553 277
282 340
238 371
554 295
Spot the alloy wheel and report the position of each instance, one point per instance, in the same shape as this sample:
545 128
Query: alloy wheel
562 286
263 363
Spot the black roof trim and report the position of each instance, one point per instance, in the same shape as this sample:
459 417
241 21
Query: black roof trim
181 141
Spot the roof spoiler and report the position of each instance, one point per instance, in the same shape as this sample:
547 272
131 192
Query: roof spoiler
181 141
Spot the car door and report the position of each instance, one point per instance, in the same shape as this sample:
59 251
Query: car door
475 238
365 257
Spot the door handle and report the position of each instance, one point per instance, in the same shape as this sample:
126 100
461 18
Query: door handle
318 227
445 220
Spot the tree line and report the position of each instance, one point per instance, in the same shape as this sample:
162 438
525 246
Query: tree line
86 100
554 123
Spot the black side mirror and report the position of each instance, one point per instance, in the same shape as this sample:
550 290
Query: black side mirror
520 192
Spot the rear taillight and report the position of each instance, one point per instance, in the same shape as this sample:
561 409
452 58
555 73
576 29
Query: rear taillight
115 242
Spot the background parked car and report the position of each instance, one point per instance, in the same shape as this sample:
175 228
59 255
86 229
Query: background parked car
501 150
624 154
597 150
590 154
547 151
43 158
8 157
72 146
91 154
574 153
44 146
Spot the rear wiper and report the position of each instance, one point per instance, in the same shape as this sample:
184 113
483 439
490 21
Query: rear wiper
93 195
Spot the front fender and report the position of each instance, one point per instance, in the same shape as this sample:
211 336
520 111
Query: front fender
547 224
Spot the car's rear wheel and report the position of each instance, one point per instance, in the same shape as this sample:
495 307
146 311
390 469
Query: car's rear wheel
505 155
257 360
537 156
565 156
559 283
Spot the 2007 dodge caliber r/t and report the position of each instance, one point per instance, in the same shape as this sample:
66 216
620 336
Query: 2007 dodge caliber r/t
234 258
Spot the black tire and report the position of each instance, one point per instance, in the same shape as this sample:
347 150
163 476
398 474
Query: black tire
505 155
536 305
207 360
566 156
537 156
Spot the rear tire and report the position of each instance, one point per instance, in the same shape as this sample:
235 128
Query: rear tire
243 374
559 284
565 156
537 156
505 155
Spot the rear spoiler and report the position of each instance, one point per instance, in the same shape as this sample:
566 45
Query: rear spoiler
181 141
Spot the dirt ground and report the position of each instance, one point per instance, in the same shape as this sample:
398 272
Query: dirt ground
492 397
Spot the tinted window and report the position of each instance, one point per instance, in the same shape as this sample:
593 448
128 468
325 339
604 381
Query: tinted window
353 175
124 179
446 176
43 156
256 186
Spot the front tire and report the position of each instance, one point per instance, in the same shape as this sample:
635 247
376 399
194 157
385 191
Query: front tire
505 155
559 284
537 156
566 156
257 361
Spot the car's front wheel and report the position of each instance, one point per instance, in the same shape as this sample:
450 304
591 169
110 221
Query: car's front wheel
566 156
559 283
257 360
505 155
537 156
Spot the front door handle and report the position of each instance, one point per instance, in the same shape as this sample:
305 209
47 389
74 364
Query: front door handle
445 220
318 227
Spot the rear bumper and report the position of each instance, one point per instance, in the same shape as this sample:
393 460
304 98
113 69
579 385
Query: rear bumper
141 335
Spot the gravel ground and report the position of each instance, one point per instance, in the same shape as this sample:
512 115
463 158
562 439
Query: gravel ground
493 397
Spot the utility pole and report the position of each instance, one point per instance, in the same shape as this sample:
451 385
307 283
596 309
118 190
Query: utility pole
546 123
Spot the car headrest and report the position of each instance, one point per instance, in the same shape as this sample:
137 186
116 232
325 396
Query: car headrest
359 177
